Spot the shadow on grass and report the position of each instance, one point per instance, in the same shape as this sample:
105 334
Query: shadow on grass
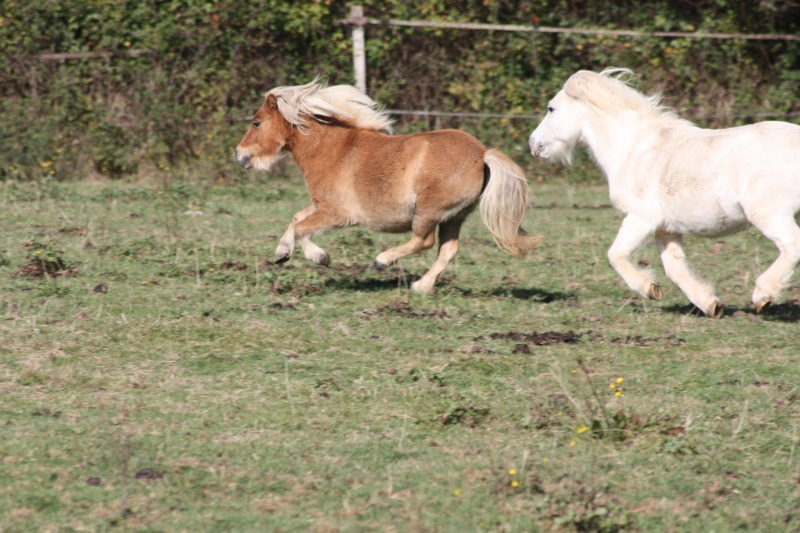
774 313
535 294
782 313
365 279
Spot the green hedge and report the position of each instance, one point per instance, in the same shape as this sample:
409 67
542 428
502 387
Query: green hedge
207 65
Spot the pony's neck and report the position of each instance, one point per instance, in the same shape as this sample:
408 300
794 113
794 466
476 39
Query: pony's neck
611 139
320 148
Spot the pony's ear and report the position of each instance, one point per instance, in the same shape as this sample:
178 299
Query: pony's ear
577 84
271 103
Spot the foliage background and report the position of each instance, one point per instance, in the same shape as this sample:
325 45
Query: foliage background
208 63
158 372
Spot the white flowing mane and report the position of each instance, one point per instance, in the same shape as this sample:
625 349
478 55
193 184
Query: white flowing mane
340 102
611 92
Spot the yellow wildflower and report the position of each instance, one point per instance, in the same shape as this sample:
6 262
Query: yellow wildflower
619 380
456 492
512 472
583 429
618 393
515 483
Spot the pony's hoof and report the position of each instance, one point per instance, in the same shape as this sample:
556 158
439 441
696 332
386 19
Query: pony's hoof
281 258
654 292
421 289
323 260
377 265
763 304
715 310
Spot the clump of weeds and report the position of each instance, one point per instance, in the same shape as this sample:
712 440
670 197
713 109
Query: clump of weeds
44 259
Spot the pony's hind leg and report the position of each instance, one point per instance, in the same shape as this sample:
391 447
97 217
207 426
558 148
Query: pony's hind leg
285 249
784 232
699 293
423 238
419 241
632 234
448 248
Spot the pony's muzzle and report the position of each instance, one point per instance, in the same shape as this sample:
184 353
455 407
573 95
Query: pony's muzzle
243 160
536 147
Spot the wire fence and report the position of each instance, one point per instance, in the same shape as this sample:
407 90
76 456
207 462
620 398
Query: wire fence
362 21
358 21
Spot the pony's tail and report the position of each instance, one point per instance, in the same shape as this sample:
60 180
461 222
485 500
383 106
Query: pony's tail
503 205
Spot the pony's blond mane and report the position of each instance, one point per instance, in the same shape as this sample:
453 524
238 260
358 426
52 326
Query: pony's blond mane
611 91
343 103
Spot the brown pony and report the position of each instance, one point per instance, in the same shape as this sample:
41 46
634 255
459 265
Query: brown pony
357 173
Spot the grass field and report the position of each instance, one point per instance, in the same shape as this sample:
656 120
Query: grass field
159 373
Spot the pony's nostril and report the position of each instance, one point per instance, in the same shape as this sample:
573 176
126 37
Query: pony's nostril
244 161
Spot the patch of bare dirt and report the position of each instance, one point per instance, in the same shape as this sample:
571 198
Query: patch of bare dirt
546 338
401 308
233 265
42 269
638 340
148 473
465 415
72 230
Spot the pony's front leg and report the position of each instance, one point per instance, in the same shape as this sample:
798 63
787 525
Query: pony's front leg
319 221
285 249
699 293
632 234
784 232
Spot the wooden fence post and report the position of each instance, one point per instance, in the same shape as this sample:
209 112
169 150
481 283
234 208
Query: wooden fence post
359 53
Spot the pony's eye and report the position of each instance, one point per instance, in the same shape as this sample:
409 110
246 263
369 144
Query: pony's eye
550 109
256 124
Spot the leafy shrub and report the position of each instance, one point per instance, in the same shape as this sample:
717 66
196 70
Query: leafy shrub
174 81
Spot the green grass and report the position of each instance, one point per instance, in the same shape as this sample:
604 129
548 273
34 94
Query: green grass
162 374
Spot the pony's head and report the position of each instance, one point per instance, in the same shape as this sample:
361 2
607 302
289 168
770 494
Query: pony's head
265 141
607 93
287 111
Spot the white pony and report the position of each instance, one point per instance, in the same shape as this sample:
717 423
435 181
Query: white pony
670 178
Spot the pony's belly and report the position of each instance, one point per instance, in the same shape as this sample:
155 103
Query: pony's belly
385 226
715 224
385 221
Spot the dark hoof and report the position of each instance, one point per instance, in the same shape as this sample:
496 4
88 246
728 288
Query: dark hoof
377 266
762 305
654 292
325 261
716 310
282 259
